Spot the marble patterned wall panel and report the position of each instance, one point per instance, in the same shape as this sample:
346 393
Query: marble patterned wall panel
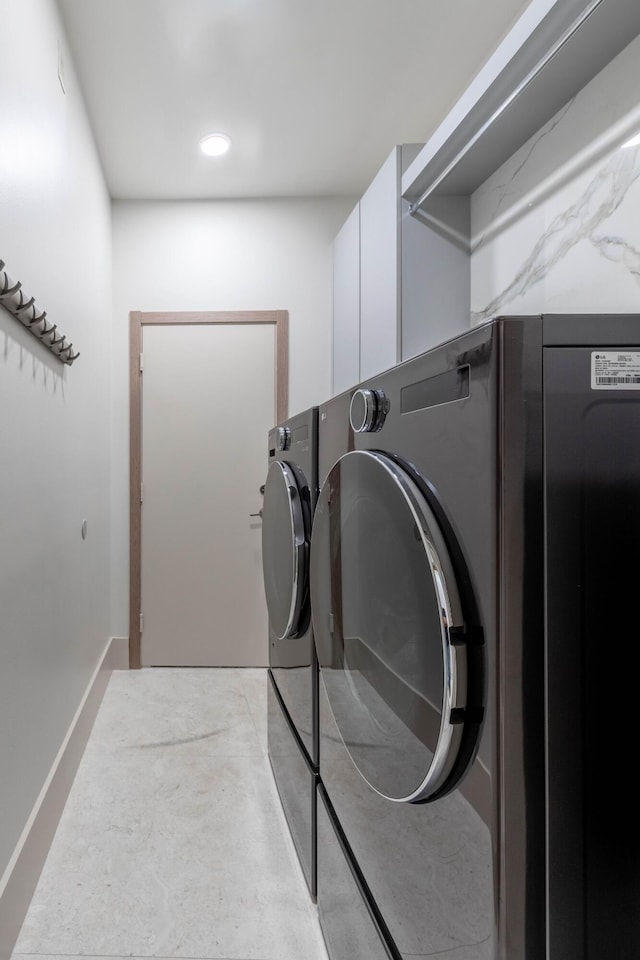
557 227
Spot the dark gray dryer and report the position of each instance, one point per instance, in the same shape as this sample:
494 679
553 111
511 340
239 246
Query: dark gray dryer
474 567
289 501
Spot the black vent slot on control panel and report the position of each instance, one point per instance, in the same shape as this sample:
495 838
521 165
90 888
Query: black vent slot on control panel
445 388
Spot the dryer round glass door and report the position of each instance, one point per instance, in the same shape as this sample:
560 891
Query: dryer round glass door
390 632
285 549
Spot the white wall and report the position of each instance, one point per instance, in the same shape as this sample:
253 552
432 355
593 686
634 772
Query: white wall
556 228
54 420
226 255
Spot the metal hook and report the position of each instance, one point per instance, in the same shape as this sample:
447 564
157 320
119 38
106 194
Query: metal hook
25 305
49 332
7 290
6 285
39 318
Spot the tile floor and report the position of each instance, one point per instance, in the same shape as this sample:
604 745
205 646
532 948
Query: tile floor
173 842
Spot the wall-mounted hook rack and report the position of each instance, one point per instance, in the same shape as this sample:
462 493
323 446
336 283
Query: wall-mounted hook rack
24 309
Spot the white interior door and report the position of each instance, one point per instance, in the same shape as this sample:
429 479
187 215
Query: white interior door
208 402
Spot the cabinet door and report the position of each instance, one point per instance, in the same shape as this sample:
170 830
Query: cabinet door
346 304
380 269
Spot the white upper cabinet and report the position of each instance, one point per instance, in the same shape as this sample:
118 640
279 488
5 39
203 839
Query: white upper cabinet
380 269
346 304
368 278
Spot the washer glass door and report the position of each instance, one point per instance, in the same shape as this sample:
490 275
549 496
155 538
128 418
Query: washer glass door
390 632
285 549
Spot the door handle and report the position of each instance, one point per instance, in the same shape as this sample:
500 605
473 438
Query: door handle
258 514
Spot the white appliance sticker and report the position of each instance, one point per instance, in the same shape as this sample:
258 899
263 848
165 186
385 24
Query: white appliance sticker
615 370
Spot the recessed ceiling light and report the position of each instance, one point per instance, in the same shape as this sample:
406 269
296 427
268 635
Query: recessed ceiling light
215 145
634 142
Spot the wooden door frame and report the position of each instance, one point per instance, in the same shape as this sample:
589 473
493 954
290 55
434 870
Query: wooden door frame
138 319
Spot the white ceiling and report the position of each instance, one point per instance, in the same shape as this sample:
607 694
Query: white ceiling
313 93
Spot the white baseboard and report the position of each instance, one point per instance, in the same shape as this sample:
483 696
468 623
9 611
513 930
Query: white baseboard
19 881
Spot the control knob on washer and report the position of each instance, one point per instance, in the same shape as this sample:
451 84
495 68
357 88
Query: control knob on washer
283 438
368 410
